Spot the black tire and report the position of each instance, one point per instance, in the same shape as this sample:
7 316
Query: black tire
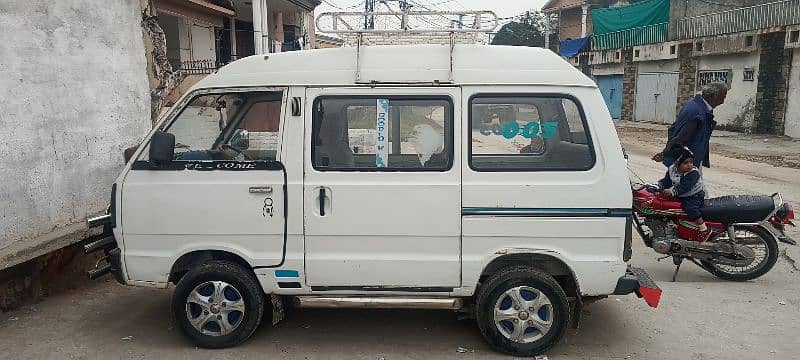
495 288
771 258
241 280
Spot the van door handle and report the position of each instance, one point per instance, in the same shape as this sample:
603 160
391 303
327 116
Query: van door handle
322 201
261 189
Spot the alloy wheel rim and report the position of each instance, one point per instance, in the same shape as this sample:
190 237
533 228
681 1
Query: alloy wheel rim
523 314
215 308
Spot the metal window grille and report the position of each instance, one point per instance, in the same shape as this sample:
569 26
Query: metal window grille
771 14
643 35
749 74
794 36
708 76
191 67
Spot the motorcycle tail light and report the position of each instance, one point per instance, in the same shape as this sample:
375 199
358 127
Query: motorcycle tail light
786 213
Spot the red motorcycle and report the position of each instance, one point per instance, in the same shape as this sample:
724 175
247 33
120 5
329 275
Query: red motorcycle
744 228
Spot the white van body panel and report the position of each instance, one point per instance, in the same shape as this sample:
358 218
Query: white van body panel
424 240
391 229
591 247
291 153
472 65
167 214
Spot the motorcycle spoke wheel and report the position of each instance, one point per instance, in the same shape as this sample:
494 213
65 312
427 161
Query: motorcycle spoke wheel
750 239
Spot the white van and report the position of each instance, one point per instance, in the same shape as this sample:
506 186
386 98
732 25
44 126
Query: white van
484 179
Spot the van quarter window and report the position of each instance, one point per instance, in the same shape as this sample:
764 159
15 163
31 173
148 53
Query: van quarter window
528 133
233 126
382 134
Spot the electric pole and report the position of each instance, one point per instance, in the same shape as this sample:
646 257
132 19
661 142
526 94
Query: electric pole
369 19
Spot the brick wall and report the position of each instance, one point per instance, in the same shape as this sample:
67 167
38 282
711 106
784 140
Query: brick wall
570 24
687 74
630 69
773 79
46 275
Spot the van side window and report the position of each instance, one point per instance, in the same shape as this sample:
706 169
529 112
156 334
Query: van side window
528 133
382 134
233 126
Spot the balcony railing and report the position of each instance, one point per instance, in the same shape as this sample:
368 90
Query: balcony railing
773 14
632 37
193 67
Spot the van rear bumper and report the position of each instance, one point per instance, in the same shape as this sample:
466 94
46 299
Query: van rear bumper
638 281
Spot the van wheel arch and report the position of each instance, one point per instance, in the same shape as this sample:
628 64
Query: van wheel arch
189 260
548 264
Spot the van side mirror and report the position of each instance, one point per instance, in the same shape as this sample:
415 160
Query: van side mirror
162 148
128 153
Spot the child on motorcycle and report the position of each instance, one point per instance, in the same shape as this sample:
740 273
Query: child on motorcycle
683 181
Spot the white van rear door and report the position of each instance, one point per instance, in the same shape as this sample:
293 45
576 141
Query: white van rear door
544 172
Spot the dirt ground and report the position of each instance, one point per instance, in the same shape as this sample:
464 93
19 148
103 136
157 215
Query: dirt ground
700 317
777 151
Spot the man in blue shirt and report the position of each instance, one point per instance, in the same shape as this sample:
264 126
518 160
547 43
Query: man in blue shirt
694 126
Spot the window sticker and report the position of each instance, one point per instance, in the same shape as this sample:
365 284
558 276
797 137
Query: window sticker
381 137
512 129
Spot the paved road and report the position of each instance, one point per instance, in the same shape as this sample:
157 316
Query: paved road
700 317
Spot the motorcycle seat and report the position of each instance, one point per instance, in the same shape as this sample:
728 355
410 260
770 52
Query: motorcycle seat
737 209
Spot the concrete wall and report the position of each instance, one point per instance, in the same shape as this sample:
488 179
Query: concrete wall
658 66
738 112
658 51
793 105
608 69
680 9
74 94
690 8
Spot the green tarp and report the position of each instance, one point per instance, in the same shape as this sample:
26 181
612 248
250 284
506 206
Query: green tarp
640 23
639 14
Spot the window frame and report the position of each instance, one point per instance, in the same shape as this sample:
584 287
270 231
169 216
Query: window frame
178 108
241 113
449 124
548 95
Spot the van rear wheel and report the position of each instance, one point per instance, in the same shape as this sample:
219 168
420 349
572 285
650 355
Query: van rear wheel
522 311
218 304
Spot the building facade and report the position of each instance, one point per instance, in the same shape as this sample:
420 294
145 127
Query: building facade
661 52
202 35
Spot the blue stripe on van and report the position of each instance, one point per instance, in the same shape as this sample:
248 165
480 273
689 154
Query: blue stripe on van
540 212
287 274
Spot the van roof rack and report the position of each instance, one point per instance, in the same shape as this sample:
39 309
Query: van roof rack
484 21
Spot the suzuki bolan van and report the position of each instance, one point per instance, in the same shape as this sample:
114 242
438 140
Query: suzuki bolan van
484 179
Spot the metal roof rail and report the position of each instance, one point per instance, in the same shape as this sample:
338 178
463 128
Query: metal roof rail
484 21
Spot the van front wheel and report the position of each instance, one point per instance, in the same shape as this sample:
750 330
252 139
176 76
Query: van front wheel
522 311
218 304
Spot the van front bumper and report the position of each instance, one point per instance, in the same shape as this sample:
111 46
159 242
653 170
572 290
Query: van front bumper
111 263
636 280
